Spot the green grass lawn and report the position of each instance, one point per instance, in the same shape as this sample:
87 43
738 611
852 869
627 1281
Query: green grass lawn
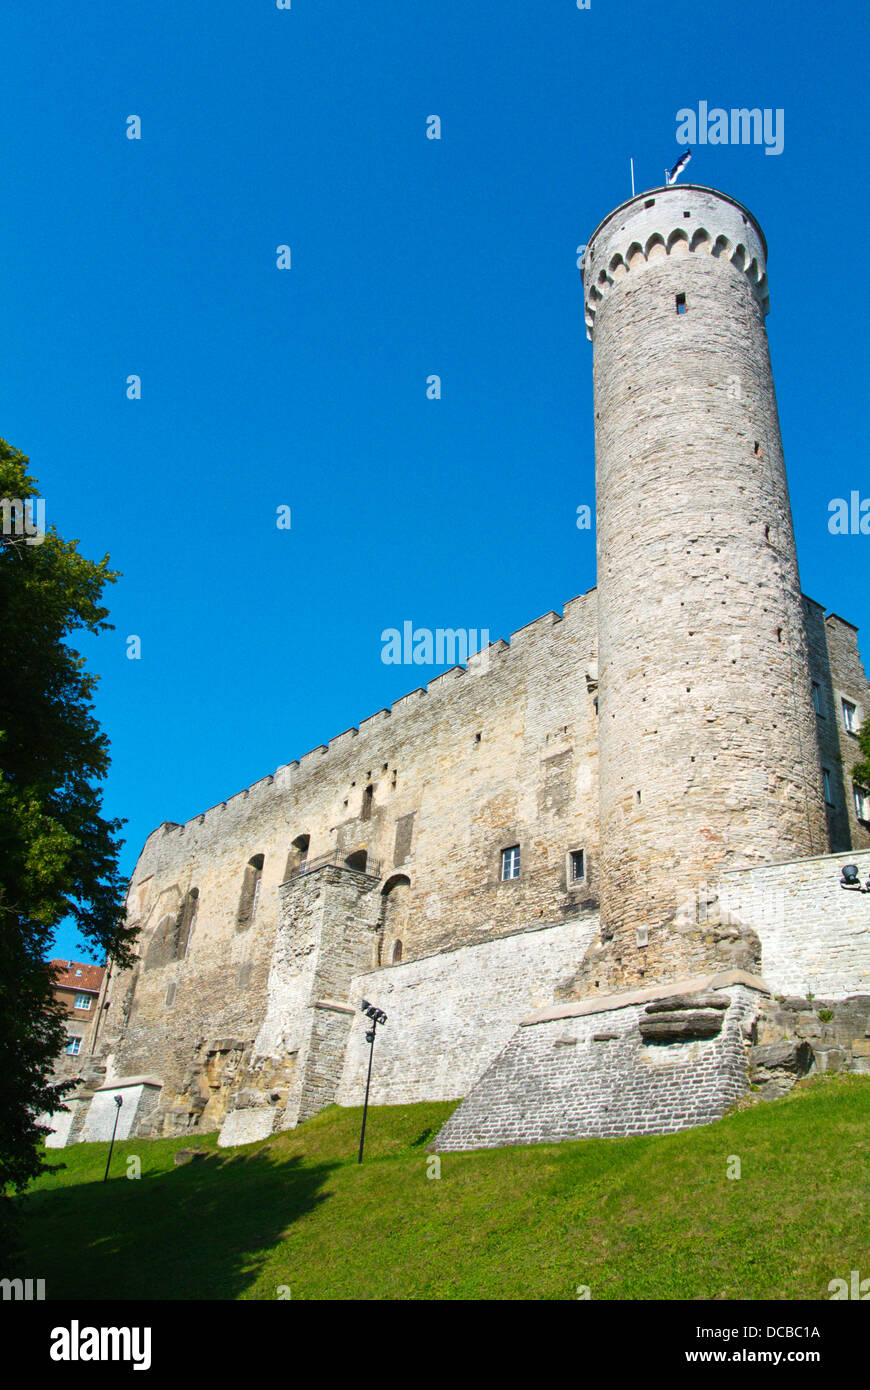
630 1218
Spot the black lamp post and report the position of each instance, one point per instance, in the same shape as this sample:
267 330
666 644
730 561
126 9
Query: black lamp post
119 1100
377 1016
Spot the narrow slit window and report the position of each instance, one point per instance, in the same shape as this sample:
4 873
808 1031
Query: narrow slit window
578 865
681 304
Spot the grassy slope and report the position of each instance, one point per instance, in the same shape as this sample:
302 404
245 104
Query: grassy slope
631 1218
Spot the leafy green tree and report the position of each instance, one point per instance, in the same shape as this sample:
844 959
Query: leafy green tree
861 770
860 773
58 855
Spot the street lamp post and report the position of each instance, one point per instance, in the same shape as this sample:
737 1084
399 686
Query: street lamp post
377 1016
118 1103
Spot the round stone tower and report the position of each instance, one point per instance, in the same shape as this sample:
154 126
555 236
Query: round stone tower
707 739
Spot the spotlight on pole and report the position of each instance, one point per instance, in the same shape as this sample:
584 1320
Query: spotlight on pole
377 1016
119 1101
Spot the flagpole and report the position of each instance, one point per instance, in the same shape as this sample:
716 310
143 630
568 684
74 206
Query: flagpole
632 176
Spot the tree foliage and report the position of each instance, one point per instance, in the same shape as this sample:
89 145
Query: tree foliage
861 770
58 854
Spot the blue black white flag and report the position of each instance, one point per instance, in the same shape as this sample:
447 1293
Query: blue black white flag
678 168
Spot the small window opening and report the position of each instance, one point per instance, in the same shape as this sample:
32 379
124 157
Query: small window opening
397 952
650 203
368 798
681 304
757 449
578 866
817 697
510 863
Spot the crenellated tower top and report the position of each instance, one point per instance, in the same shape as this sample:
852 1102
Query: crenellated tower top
679 220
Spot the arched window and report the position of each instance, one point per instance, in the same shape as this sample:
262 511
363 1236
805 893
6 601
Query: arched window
163 939
298 856
368 799
357 860
396 900
184 923
250 892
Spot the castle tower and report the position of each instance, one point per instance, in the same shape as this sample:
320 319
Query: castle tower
706 728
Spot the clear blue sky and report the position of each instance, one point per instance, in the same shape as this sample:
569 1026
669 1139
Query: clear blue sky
410 257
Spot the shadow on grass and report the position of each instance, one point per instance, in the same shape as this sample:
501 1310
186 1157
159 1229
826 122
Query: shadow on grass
198 1231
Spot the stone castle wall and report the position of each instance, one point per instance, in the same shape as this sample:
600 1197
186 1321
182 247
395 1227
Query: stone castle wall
450 1013
815 935
252 1028
460 770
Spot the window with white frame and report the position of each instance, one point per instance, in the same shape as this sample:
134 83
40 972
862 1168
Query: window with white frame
862 802
850 712
73 1046
82 1001
510 863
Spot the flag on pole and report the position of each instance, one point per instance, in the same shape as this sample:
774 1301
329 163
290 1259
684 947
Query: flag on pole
678 168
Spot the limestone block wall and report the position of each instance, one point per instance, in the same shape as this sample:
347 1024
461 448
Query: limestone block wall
503 753
815 935
578 1076
707 735
139 1098
450 1013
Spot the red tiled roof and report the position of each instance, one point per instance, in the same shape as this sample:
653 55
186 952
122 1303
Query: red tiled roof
76 974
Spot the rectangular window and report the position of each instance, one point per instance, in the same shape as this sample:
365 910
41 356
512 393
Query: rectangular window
82 1001
826 779
578 865
817 697
73 1046
510 863
862 803
681 303
849 716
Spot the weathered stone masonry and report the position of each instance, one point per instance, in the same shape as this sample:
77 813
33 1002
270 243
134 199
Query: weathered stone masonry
659 753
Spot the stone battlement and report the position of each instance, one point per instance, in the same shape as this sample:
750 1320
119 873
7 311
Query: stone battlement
523 641
673 221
